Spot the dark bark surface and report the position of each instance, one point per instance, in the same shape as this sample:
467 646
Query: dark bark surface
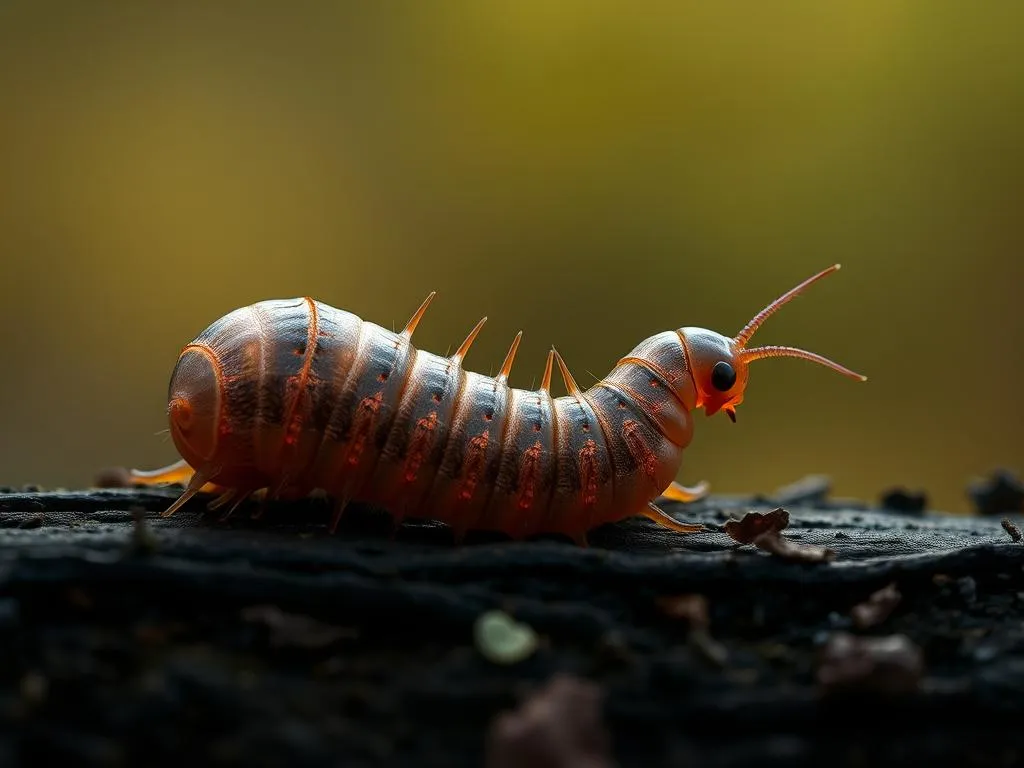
128 639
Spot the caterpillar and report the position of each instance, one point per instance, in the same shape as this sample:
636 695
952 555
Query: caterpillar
289 397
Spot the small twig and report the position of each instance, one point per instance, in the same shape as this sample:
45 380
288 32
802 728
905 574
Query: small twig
143 541
1013 530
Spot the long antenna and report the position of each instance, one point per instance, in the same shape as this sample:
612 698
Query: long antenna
758 353
761 352
744 336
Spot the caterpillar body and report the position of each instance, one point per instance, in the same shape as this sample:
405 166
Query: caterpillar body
288 397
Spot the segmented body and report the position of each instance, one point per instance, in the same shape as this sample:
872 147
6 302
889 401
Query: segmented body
308 396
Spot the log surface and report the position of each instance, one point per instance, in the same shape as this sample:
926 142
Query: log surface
129 639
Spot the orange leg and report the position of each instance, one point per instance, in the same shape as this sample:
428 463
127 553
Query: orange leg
653 513
677 492
195 485
235 497
264 496
178 473
339 509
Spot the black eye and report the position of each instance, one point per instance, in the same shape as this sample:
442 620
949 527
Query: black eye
723 376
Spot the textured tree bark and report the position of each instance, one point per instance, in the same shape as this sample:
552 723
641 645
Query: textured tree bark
128 639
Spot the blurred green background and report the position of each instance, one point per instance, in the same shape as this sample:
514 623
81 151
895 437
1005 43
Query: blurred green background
589 172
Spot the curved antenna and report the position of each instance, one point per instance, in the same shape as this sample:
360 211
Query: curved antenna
761 352
744 336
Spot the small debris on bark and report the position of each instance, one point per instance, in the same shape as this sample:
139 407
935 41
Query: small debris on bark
754 524
503 640
968 589
113 477
1001 493
694 610
904 500
1010 527
143 540
80 599
788 549
289 630
34 689
813 489
691 608
764 531
889 665
877 608
560 726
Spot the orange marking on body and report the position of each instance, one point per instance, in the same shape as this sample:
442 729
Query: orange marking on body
474 464
421 438
366 415
588 473
638 448
294 417
297 385
528 475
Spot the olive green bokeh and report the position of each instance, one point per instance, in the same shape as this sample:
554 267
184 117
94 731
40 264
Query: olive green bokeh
591 173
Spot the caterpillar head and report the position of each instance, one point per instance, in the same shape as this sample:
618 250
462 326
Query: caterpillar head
718 363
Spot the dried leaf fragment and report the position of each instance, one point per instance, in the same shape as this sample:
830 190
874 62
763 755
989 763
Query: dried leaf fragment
559 726
763 530
786 548
888 665
754 524
877 608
